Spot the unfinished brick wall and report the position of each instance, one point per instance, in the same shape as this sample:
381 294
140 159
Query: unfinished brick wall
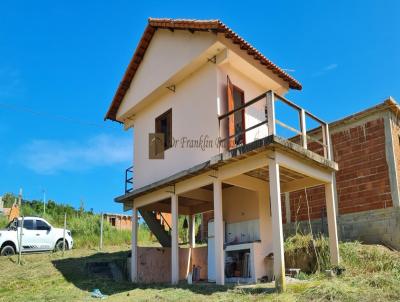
363 177
298 204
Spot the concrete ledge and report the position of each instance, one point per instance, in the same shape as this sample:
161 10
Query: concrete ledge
267 143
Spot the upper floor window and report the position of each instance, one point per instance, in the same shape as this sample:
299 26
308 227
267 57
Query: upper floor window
164 125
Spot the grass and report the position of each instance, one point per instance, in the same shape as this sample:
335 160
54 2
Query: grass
305 246
372 274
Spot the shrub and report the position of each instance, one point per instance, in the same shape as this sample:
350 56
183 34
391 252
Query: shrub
308 254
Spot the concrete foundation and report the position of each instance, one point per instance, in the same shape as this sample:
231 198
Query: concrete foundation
375 227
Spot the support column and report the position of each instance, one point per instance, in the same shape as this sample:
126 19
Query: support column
277 232
134 255
174 239
332 226
218 233
192 231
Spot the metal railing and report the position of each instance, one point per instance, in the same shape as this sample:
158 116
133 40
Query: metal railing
129 179
270 120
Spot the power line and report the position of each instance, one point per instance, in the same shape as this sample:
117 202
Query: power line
56 117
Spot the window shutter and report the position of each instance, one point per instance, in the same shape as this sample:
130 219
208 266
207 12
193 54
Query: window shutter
231 118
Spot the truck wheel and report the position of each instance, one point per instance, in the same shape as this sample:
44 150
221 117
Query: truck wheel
59 245
7 250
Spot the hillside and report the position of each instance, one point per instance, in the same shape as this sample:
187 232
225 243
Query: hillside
372 274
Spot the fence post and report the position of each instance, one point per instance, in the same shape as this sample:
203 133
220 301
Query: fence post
101 231
303 128
65 226
20 240
326 140
271 113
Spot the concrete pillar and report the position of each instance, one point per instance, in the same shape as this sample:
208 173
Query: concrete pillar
218 233
134 256
391 160
332 226
277 232
174 239
271 113
192 231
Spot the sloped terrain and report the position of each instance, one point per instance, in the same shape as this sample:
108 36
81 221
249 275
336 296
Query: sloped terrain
372 274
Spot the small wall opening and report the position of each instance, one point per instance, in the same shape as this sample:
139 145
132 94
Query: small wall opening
238 264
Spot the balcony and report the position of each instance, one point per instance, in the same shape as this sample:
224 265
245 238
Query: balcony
270 114
269 120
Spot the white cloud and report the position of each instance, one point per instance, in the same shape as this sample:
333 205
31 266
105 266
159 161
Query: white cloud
289 69
53 156
331 67
325 70
10 81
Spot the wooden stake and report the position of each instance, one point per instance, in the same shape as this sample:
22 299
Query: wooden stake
65 226
101 231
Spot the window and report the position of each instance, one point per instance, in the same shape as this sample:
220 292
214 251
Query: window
164 125
28 224
42 226
112 221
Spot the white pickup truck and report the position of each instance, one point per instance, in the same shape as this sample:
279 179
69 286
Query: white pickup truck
37 235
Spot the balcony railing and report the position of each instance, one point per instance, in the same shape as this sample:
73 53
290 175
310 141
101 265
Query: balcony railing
129 179
316 138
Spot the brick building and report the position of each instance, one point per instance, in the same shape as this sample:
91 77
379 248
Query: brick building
119 221
366 146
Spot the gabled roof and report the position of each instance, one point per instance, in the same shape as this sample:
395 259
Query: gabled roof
215 26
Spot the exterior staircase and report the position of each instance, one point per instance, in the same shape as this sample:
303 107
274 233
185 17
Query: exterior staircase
157 227
155 221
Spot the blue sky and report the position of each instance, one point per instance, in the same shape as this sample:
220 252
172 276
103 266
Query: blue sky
63 60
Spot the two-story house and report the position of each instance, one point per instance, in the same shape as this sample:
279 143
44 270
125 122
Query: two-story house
214 132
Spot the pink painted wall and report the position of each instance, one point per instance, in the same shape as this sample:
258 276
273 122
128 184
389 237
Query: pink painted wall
154 264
